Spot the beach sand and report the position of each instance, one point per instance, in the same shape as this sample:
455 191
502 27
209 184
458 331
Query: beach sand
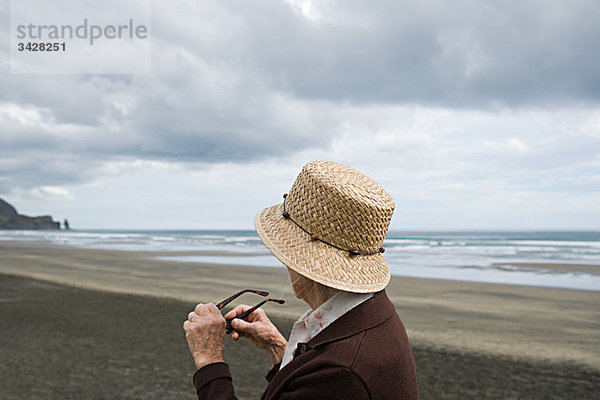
553 267
99 324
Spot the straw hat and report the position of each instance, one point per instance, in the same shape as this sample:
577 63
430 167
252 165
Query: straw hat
330 228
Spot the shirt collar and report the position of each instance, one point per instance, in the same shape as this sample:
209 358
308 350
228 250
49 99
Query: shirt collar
338 305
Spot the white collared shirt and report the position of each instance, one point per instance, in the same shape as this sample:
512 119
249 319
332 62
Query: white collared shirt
314 321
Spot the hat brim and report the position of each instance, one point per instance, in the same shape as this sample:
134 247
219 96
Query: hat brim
317 260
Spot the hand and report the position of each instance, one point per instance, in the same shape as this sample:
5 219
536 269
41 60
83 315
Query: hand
260 330
205 332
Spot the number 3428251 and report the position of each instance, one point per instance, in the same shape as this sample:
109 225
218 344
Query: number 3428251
41 46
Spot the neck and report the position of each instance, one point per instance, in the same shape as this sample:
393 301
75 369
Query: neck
320 296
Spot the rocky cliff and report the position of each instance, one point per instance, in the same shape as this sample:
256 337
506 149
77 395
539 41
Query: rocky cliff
10 219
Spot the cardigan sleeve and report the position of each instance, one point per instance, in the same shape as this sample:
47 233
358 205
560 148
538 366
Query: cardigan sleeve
213 382
334 382
272 372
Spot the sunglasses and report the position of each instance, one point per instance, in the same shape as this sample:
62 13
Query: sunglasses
244 314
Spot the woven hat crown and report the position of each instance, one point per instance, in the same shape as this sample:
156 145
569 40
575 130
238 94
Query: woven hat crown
330 228
341 205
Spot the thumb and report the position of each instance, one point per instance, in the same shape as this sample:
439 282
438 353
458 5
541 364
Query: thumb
243 326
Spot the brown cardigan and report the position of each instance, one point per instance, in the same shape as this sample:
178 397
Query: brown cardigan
364 354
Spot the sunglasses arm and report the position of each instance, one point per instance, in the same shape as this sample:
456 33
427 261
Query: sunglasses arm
249 311
238 294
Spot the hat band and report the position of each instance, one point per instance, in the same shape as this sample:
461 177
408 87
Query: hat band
287 215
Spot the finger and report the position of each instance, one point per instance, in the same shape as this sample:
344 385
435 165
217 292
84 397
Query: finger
235 336
206 309
186 325
239 309
243 326
243 334
256 315
200 309
191 315
210 307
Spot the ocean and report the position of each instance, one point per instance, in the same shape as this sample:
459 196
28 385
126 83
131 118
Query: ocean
493 257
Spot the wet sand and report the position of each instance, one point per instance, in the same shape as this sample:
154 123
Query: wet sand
123 338
554 267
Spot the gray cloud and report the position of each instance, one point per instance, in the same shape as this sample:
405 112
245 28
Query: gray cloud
453 54
242 81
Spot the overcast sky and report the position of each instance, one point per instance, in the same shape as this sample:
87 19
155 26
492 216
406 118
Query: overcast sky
473 115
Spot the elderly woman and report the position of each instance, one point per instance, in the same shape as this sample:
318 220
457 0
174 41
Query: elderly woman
350 344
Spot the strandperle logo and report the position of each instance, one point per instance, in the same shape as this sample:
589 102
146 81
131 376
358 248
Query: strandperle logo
85 31
80 37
